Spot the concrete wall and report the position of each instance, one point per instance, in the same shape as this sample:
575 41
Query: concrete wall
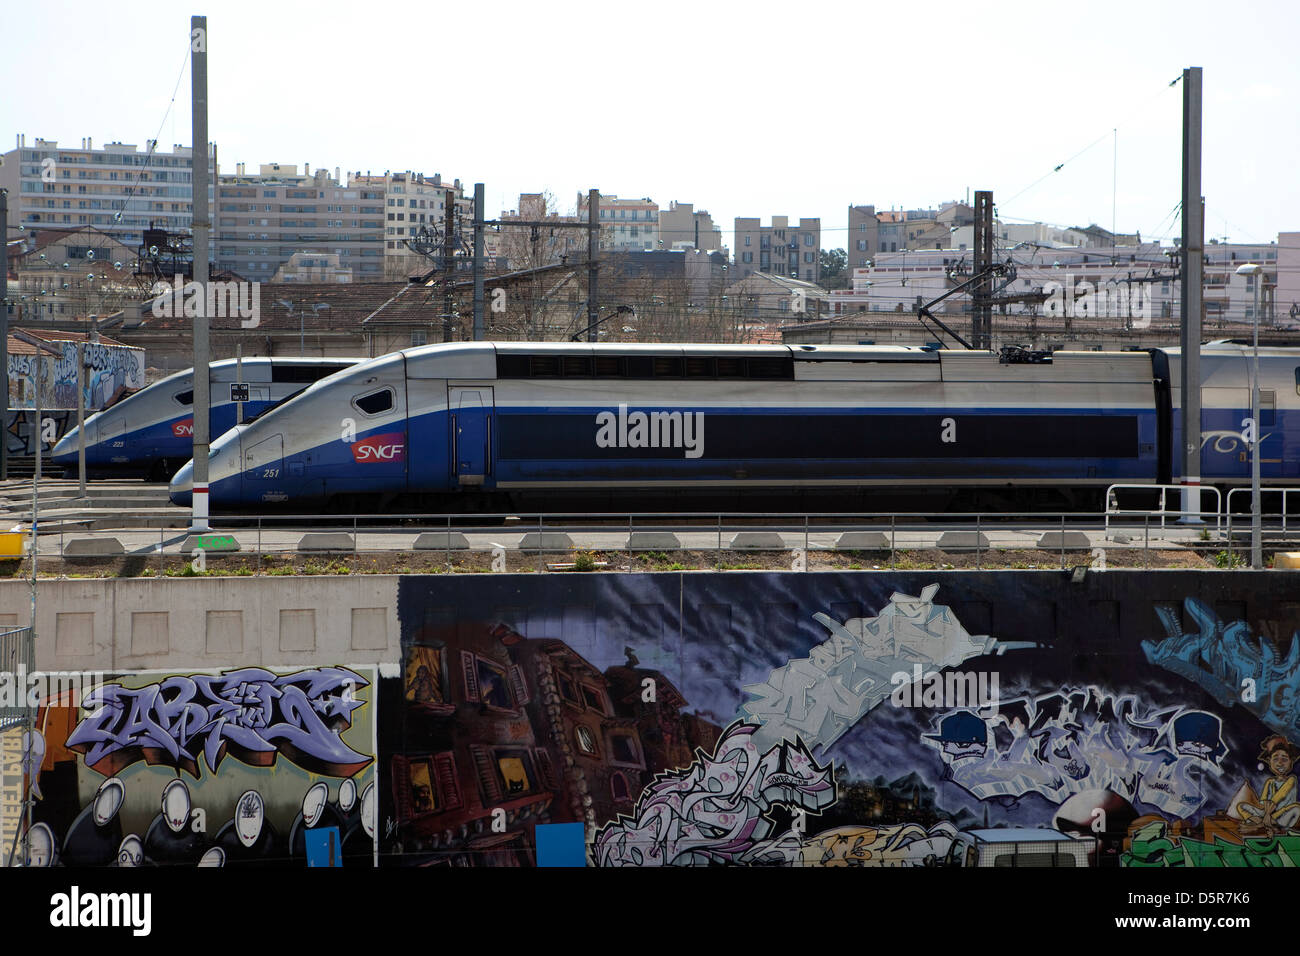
115 624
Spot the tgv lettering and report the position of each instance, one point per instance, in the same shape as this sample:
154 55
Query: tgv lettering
651 430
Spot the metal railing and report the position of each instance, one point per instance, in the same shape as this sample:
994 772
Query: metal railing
724 539
1162 510
17 657
1284 492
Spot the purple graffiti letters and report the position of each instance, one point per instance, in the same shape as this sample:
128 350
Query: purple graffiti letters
249 713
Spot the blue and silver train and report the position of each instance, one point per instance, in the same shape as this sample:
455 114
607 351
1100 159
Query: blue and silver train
150 433
527 426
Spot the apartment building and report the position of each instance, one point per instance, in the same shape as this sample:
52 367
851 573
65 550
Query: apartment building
625 224
681 226
415 207
118 188
263 218
779 249
313 267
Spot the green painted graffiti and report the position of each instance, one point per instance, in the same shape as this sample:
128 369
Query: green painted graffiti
1153 847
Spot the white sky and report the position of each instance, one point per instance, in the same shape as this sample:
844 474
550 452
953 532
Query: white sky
745 109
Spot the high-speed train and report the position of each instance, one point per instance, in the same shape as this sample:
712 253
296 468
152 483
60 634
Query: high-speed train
497 426
150 433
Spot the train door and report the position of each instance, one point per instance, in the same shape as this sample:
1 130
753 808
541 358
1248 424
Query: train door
471 408
264 461
1270 446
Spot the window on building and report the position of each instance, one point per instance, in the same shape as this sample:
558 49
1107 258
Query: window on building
618 788
586 740
419 337
493 684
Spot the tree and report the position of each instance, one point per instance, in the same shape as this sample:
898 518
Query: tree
834 269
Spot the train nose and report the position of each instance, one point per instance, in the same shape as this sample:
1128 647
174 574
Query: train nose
65 449
181 489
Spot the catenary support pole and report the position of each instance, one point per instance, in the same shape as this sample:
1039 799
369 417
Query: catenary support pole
199 186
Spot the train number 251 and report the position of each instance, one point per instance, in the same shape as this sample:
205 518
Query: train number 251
270 472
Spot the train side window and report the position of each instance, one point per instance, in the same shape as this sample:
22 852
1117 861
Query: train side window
640 366
184 398
1267 407
669 366
577 366
375 402
701 366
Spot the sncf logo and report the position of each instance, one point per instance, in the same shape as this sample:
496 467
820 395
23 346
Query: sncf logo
387 447
184 429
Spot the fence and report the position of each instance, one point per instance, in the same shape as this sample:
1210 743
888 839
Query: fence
1062 540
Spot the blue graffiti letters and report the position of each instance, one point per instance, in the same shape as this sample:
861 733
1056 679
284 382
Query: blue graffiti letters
249 713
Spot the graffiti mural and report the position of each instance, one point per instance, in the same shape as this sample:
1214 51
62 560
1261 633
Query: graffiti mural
111 371
716 810
206 769
884 719
23 433
1232 664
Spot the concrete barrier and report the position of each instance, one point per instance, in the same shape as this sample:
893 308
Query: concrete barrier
326 541
545 541
1064 540
653 541
862 541
441 541
757 541
962 541
210 543
92 547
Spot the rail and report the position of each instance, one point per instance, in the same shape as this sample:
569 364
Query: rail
1263 491
637 541
1162 511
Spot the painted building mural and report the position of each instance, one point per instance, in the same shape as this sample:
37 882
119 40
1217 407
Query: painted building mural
246 766
112 371
922 719
870 719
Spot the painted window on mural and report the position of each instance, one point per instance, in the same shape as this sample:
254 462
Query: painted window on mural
423 795
593 698
618 787
622 749
568 689
424 676
493 684
587 741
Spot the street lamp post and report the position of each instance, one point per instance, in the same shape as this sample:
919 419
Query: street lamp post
1256 544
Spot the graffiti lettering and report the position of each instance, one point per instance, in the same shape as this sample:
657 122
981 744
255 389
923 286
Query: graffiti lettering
821 696
250 714
1082 739
1220 658
715 810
